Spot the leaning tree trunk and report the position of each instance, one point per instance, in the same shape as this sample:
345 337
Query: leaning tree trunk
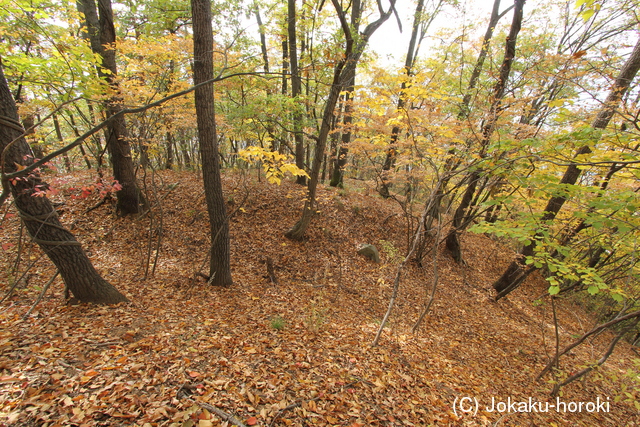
463 112
515 273
461 216
220 264
343 68
39 217
102 36
418 33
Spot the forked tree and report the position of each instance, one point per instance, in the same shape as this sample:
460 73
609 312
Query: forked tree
344 69
461 217
102 36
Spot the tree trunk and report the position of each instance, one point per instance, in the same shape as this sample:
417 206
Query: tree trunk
514 274
477 69
462 216
347 117
353 51
168 164
102 37
39 217
56 125
418 32
296 88
220 264
263 37
285 65
76 132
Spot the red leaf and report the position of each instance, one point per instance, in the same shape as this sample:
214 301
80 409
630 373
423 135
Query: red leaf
251 421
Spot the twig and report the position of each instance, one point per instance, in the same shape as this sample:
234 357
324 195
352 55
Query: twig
300 402
600 362
220 413
19 279
44 290
396 284
557 332
164 196
288 408
271 271
435 280
100 203
66 365
213 241
593 331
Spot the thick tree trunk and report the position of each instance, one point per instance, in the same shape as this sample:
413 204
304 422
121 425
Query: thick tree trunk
102 37
39 217
220 266
515 273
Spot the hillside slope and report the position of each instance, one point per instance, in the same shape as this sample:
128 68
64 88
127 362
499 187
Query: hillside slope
294 353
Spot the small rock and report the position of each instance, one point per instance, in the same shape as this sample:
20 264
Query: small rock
370 252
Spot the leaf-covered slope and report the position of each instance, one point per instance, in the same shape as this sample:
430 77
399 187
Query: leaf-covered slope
296 353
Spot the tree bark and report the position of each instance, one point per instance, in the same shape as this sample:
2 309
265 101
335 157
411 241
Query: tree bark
296 88
515 274
102 37
39 216
347 117
477 69
76 132
263 37
461 216
353 51
285 64
220 263
56 125
418 31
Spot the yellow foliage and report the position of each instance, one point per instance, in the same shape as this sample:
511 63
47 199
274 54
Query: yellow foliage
274 164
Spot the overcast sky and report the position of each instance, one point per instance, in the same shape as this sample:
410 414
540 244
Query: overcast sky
392 45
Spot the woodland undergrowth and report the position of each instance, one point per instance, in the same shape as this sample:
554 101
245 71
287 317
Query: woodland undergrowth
293 353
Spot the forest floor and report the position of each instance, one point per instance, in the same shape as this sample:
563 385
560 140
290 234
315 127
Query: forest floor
296 353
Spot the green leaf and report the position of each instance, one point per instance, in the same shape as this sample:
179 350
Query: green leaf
556 103
617 297
554 290
593 290
587 14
